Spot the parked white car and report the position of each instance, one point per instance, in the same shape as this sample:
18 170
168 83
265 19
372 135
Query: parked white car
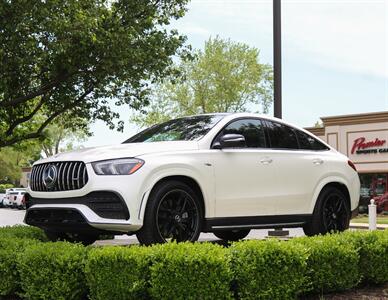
220 173
15 197
2 196
19 201
8 198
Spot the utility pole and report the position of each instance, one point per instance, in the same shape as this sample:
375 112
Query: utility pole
277 58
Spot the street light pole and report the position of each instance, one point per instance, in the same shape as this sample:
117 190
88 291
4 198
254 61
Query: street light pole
277 58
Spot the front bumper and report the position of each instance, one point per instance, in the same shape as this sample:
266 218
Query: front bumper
73 218
129 189
106 204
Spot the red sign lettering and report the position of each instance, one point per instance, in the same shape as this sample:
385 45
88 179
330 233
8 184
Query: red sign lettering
360 143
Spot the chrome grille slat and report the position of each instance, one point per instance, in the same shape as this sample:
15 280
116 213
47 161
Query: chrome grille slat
40 173
71 170
78 174
37 177
68 176
71 175
59 176
64 177
84 176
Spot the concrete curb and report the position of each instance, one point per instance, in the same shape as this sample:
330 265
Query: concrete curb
366 226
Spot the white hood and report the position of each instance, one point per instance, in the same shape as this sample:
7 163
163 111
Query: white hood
120 151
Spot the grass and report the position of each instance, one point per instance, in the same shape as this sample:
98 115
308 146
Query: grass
381 219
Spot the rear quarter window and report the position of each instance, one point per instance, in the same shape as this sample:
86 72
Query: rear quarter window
307 142
281 136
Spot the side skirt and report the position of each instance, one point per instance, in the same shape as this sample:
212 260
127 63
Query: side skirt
255 222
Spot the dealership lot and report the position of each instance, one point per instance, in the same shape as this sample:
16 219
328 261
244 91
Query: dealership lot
9 217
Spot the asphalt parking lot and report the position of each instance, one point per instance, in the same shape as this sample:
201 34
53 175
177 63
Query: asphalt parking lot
9 217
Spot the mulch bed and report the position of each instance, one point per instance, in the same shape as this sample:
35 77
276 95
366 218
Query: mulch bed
362 293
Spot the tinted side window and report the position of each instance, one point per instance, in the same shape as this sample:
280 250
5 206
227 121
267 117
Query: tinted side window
251 129
281 136
307 142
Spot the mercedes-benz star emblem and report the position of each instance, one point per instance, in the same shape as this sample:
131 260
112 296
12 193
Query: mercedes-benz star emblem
49 176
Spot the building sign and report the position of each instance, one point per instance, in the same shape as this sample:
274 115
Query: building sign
368 146
363 146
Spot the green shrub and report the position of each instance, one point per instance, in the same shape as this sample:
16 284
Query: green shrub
268 269
53 271
22 231
373 251
332 264
5 186
10 247
114 272
190 271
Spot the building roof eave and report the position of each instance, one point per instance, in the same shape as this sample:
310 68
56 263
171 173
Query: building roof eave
355 119
319 131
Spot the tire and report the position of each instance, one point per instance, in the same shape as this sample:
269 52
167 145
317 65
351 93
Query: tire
331 213
73 238
173 213
232 235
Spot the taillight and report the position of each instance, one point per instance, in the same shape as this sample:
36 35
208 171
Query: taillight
351 164
24 200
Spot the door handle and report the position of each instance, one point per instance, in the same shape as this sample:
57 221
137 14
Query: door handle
318 161
266 160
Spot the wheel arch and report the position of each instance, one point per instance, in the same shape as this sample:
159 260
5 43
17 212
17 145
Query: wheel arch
336 182
187 179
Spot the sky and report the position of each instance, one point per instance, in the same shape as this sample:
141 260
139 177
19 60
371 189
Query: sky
334 54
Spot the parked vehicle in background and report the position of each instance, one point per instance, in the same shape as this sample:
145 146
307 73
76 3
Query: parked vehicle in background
219 173
11 196
20 201
2 196
382 203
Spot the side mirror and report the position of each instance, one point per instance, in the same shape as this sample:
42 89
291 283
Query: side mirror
230 141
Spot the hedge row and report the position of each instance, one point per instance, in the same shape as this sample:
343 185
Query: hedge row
23 232
246 270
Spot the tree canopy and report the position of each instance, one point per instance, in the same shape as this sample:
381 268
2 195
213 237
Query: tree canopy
225 77
12 159
79 56
60 136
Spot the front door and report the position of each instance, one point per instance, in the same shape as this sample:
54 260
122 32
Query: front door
244 175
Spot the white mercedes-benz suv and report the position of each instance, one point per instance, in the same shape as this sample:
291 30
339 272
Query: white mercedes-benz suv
220 173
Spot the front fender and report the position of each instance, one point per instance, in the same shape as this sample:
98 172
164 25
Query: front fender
205 182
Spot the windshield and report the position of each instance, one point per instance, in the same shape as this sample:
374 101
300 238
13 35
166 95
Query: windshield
182 129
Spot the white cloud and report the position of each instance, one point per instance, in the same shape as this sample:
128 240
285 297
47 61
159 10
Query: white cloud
347 35
193 29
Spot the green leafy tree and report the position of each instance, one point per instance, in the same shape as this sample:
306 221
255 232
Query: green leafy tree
60 136
79 57
12 159
225 77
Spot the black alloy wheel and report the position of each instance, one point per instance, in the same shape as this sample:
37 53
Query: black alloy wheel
331 213
173 213
335 213
177 216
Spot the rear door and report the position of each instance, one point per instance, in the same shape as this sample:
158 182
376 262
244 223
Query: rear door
297 168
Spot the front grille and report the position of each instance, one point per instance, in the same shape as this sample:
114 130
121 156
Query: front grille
106 204
69 175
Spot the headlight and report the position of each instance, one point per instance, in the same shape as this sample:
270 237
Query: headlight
124 166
